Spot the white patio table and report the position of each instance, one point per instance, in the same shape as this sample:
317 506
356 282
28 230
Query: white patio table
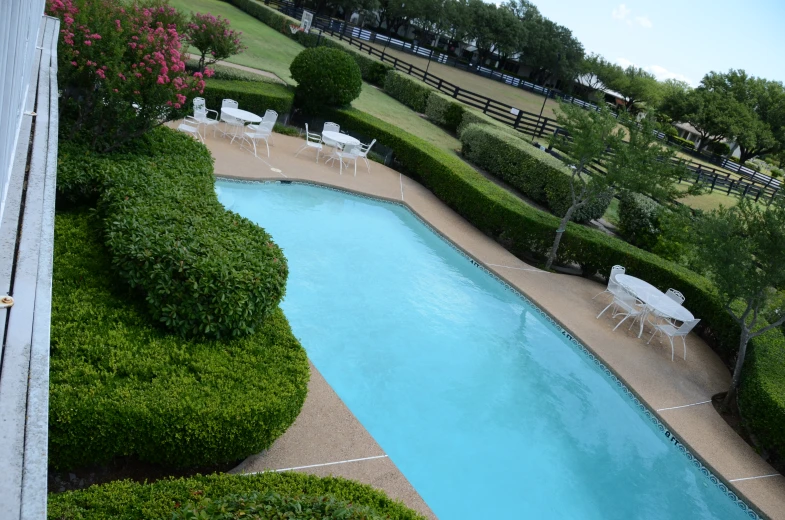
242 115
654 299
340 138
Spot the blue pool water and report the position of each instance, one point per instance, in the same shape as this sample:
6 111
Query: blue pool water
483 404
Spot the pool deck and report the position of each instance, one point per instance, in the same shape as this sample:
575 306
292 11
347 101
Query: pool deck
326 435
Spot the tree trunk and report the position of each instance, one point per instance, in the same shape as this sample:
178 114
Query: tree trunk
734 384
559 232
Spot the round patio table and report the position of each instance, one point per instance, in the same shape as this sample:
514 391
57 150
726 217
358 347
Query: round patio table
338 137
242 115
654 299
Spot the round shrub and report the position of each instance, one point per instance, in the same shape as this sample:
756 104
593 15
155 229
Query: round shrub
718 148
121 387
639 220
167 499
325 77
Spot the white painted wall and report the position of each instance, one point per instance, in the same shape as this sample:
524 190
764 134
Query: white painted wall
19 22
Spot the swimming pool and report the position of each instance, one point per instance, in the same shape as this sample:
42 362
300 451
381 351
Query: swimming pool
485 405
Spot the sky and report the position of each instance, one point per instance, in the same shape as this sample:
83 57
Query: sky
682 39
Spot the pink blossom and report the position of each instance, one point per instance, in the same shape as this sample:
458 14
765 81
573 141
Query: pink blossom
100 74
177 105
209 72
88 42
73 63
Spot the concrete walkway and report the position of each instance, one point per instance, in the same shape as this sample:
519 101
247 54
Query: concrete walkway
678 391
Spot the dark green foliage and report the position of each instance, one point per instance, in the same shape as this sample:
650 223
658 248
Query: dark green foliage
762 394
121 387
639 220
372 70
683 142
325 77
525 231
270 505
253 96
719 148
471 116
127 500
412 93
202 270
535 173
445 111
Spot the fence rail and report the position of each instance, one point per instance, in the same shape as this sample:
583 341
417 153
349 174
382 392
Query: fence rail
752 183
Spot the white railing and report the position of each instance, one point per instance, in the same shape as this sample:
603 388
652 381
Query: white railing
19 22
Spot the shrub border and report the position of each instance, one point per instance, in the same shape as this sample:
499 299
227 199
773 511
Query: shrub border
684 448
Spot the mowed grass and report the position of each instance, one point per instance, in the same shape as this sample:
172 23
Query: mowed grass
516 97
273 52
267 49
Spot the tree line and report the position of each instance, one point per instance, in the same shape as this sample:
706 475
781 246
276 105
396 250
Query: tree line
730 106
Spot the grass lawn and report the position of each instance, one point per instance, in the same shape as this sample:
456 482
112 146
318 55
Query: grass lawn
267 49
501 92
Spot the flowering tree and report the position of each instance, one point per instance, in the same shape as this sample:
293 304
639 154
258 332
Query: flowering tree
214 39
120 69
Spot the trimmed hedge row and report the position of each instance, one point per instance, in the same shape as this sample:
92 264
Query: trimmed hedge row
535 173
412 93
127 500
525 231
684 142
121 387
373 71
202 270
254 96
444 111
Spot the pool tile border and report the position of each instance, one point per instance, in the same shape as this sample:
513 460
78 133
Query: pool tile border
651 415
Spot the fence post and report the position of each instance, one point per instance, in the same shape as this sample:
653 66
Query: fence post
487 104
731 185
319 39
455 92
713 182
440 85
517 119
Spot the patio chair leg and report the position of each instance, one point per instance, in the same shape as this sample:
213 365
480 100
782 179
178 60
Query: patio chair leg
355 167
672 347
603 292
303 147
268 148
652 335
254 147
685 348
605 309
367 164
318 151
622 321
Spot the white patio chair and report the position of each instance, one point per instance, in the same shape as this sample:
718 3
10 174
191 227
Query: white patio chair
191 126
202 114
350 152
672 331
262 131
330 127
311 141
613 286
627 305
230 121
675 295
364 149
269 116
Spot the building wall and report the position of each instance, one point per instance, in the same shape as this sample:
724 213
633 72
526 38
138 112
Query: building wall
19 22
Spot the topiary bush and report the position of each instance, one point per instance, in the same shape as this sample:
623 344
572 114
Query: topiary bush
120 387
718 148
444 111
639 220
127 500
325 77
686 143
254 96
535 173
412 93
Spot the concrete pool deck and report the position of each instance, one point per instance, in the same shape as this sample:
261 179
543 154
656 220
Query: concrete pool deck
679 392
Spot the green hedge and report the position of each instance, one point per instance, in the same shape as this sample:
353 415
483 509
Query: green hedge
127 500
254 96
325 77
444 111
203 271
535 173
525 231
412 93
471 116
373 71
639 220
121 387
683 142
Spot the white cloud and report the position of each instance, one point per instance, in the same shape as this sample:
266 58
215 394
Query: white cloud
624 62
644 21
624 14
661 73
621 13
